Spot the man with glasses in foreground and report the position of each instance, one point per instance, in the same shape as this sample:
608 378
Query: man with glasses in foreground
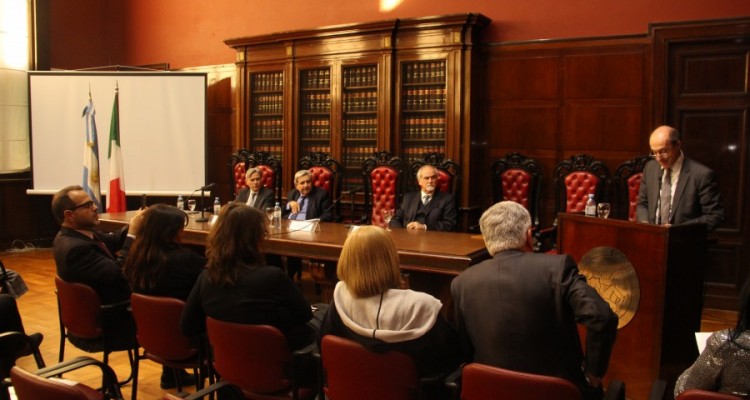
677 190
84 255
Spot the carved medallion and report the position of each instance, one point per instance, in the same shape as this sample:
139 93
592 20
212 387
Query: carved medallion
610 272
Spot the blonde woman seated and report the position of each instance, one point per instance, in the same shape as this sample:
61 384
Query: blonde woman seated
368 306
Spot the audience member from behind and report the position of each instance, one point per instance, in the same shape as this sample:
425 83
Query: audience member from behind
85 255
369 307
519 310
238 287
157 265
724 366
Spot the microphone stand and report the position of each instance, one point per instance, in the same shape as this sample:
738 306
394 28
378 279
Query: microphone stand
203 208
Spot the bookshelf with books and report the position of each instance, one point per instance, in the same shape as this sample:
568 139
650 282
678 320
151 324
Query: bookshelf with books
314 110
359 120
267 112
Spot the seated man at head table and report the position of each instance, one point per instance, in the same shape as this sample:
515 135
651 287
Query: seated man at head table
675 189
519 310
255 194
427 208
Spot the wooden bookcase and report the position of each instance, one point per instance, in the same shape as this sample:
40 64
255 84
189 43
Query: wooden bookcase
351 90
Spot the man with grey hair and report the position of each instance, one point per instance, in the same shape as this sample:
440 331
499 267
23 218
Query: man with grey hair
427 208
519 310
255 194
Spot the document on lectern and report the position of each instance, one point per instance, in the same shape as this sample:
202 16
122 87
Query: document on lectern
308 225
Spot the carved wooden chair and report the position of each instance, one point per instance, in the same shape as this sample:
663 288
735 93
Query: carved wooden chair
326 174
382 175
518 178
627 181
237 167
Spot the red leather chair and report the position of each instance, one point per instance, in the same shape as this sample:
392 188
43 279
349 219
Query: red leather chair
518 178
695 394
326 174
353 372
254 358
157 322
627 183
82 315
42 385
382 176
449 172
270 169
238 167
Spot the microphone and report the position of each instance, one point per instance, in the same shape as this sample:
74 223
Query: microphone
355 190
207 187
338 199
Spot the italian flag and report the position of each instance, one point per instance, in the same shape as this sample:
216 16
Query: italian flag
116 194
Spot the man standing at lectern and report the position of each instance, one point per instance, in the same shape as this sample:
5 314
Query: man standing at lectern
677 190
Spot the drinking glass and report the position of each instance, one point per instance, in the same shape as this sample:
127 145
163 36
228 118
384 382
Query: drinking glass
388 216
602 210
191 204
269 214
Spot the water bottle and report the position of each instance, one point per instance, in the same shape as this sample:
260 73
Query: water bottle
180 202
217 206
590 210
276 223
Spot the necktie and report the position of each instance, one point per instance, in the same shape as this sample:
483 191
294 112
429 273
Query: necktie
426 199
665 197
253 197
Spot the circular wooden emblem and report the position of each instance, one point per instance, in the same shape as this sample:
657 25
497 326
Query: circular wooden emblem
612 275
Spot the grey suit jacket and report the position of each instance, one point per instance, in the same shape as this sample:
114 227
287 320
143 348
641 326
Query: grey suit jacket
696 197
519 311
440 215
265 197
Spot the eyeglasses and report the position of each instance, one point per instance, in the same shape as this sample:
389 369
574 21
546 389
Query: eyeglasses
663 153
88 204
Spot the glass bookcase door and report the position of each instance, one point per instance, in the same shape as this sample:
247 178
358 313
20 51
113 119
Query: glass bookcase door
267 112
315 111
423 94
359 120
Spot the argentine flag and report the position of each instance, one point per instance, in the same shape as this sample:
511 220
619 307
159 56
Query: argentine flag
91 156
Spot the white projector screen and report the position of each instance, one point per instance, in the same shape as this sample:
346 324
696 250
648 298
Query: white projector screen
162 129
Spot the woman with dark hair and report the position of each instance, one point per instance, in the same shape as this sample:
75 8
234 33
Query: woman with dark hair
369 307
724 366
157 265
238 287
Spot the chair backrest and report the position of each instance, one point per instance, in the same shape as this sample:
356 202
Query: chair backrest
486 382
354 372
575 179
29 386
448 172
270 170
238 167
628 182
325 173
382 175
249 356
518 178
696 394
157 322
79 307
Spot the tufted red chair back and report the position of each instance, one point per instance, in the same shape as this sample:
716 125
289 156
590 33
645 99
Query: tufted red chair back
322 177
326 174
576 178
382 178
628 182
267 176
448 172
238 167
516 177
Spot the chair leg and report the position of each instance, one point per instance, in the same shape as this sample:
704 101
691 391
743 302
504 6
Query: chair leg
134 393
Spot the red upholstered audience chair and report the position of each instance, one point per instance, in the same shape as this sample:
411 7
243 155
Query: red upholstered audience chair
42 384
353 372
238 167
382 176
449 172
157 321
627 181
254 358
83 316
695 394
575 179
518 178
270 169
326 174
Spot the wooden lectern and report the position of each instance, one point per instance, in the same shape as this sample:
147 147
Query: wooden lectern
658 340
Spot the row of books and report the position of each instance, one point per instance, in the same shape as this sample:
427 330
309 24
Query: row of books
316 128
423 128
361 76
412 154
276 150
361 101
268 81
360 128
315 79
423 99
268 104
424 72
266 128
355 156
315 149
316 102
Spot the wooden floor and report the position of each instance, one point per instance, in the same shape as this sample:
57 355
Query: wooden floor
39 312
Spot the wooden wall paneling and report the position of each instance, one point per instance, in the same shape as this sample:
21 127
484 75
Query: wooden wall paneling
702 69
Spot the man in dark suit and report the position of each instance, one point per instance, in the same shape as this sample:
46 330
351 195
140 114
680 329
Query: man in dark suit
519 310
255 195
307 201
427 208
675 189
